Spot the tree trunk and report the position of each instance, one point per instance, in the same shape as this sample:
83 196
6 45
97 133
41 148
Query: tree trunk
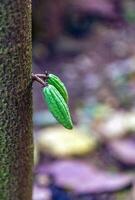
16 143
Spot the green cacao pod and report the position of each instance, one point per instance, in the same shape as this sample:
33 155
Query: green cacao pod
59 85
57 106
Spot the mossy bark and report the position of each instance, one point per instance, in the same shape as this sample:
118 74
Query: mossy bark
16 143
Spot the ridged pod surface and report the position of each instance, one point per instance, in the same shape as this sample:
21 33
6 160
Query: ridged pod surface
57 106
59 85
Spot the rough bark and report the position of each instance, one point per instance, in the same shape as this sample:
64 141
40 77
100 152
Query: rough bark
16 144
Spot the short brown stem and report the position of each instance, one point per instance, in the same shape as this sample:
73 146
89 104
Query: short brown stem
42 76
35 77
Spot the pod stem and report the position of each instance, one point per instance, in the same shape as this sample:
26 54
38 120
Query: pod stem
36 77
44 76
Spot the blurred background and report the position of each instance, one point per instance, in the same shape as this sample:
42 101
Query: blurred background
90 45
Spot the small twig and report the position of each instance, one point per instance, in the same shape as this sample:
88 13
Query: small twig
44 76
35 77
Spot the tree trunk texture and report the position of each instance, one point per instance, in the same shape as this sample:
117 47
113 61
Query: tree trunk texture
16 143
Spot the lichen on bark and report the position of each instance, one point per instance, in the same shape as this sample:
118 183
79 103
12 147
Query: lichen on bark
16 143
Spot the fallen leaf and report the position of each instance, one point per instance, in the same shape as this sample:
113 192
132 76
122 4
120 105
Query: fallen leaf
61 142
124 151
85 178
